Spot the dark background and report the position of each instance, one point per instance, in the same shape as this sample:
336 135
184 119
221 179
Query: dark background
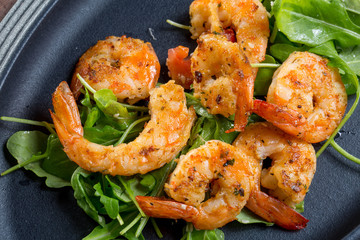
30 210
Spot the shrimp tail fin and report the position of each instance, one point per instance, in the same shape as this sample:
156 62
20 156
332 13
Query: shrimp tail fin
284 118
66 110
275 211
163 208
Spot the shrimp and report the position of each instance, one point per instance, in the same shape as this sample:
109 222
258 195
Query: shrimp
289 176
223 78
161 140
306 98
247 17
215 164
127 66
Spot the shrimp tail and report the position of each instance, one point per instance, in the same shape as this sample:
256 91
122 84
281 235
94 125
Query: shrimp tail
66 115
275 211
164 208
244 103
284 118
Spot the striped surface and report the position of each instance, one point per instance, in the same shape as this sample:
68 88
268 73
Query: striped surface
16 27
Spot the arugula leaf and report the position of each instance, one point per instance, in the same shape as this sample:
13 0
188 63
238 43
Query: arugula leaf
282 51
106 100
27 145
303 23
112 230
351 56
199 108
190 233
82 183
264 77
248 217
111 205
57 162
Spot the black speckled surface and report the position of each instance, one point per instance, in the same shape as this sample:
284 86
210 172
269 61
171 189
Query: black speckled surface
30 210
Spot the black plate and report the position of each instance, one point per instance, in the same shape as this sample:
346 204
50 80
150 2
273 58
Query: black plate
47 54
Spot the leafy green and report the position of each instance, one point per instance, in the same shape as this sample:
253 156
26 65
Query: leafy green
264 77
303 23
57 162
190 233
107 101
82 183
112 230
35 147
351 56
248 217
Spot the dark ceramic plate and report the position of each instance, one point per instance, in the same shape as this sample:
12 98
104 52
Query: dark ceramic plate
46 54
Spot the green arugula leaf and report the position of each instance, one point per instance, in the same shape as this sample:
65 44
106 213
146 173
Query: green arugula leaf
351 56
24 145
82 183
57 162
264 77
106 100
111 205
248 217
190 233
303 23
112 230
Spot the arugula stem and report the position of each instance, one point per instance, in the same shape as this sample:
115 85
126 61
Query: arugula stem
34 158
265 65
131 195
130 225
26 121
352 10
273 33
175 24
83 82
141 226
156 227
136 108
344 153
347 116
127 131
120 220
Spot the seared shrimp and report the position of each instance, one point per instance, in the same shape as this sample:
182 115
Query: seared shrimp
161 140
223 78
127 66
247 17
218 165
307 98
290 174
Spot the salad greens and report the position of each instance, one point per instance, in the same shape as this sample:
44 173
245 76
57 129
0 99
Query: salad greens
331 29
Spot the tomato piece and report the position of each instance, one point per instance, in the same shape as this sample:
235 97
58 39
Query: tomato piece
179 65
230 34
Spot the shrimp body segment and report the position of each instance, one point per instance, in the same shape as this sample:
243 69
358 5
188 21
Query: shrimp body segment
293 160
223 78
161 140
218 165
127 66
287 179
247 17
305 84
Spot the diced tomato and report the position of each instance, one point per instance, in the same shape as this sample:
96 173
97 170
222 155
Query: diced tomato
230 34
179 66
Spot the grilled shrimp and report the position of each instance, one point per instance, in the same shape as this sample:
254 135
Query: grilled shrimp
306 98
289 176
223 78
127 66
247 17
161 140
218 165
